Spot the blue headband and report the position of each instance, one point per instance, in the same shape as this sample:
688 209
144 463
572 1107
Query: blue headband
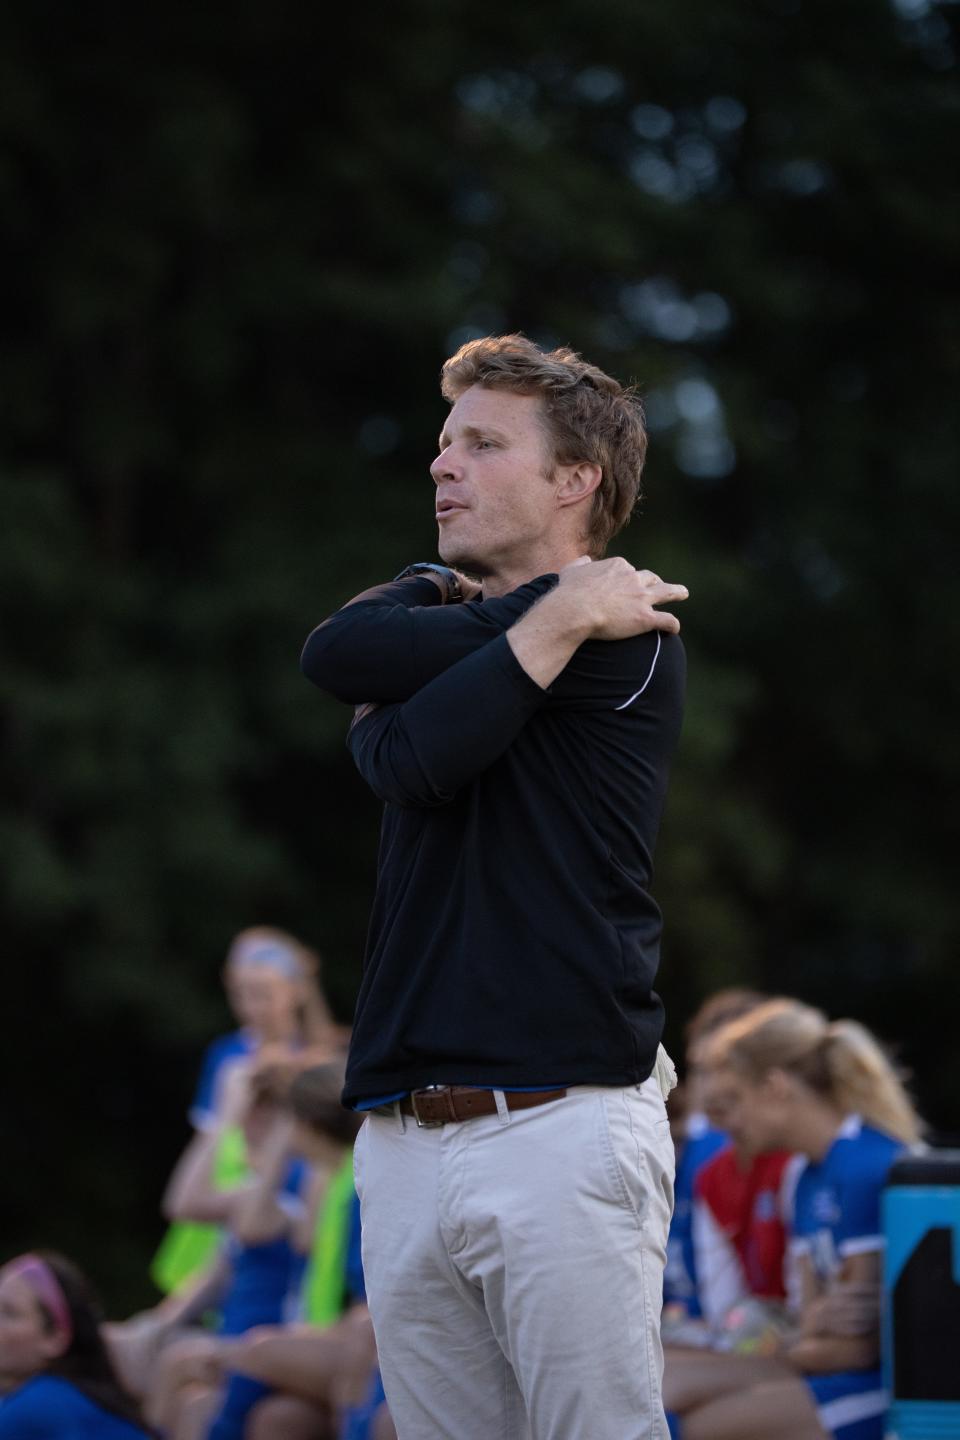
269 953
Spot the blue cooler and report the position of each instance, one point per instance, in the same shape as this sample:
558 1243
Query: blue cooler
921 1339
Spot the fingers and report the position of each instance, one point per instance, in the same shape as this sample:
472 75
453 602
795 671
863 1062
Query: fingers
668 594
621 600
469 589
660 593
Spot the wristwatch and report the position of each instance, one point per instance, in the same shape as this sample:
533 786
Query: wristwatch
450 578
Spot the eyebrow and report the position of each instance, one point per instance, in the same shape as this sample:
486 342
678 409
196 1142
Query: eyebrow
475 432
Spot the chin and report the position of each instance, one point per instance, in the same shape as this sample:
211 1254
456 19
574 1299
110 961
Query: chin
465 562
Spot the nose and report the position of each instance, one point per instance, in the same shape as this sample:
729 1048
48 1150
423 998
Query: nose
446 466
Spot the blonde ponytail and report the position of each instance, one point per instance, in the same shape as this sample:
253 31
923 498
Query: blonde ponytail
838 1059
865 1081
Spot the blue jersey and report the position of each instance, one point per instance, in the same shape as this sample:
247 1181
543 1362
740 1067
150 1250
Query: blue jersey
680 1277
220 1052
266 1278
50 1408
242 1394
837 1208
837 1214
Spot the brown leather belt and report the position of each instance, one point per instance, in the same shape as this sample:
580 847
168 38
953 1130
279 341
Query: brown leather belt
441 1104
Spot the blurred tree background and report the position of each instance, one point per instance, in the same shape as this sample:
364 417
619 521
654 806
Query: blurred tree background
240 241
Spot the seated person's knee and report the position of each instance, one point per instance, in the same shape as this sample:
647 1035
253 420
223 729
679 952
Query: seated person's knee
282 1417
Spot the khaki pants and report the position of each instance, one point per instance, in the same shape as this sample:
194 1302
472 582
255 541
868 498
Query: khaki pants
514 1266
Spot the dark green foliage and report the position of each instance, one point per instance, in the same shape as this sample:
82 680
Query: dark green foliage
237 251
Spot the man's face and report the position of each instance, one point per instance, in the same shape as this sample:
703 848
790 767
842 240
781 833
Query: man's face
496 502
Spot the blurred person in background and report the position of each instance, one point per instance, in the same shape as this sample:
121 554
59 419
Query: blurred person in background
255 1278
520 731
290 1379
57 1381
272 985
304 1378
794 1080
743 1215
697 1138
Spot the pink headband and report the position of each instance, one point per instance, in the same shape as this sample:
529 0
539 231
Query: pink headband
47 1288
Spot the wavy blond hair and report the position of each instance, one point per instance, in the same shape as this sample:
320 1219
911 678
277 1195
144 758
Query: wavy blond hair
588 416
838 1059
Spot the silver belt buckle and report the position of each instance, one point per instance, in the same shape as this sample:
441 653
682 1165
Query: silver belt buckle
425 1124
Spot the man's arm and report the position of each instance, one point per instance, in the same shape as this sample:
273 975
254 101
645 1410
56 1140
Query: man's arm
421 752
389 641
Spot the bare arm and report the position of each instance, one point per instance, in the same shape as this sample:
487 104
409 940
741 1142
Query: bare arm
200 1294
257 1216
192 1192
840 1328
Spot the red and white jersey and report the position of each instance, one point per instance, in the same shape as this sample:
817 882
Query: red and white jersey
742 1217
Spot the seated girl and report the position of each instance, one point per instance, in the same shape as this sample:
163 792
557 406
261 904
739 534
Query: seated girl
826 1090
743 1212
697 1138
698 1135
272 985
55 1372
256 1277
319 1380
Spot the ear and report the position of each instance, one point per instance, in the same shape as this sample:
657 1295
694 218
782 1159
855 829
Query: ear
54 1344
577 482
781 1085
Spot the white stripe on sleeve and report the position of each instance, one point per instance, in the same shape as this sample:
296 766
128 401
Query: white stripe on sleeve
646 682
862 1245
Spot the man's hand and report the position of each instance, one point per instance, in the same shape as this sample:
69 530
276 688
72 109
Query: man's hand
594 600
617 601
469 589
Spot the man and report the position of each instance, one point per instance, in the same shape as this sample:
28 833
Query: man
516 1168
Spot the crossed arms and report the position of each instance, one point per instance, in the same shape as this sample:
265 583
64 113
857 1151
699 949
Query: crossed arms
452 686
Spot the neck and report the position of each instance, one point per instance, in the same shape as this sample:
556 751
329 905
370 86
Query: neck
817 1129
545 559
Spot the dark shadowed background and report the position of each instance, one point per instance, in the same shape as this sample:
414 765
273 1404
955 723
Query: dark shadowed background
239 243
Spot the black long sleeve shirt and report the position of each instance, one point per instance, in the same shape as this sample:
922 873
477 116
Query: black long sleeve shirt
513 940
